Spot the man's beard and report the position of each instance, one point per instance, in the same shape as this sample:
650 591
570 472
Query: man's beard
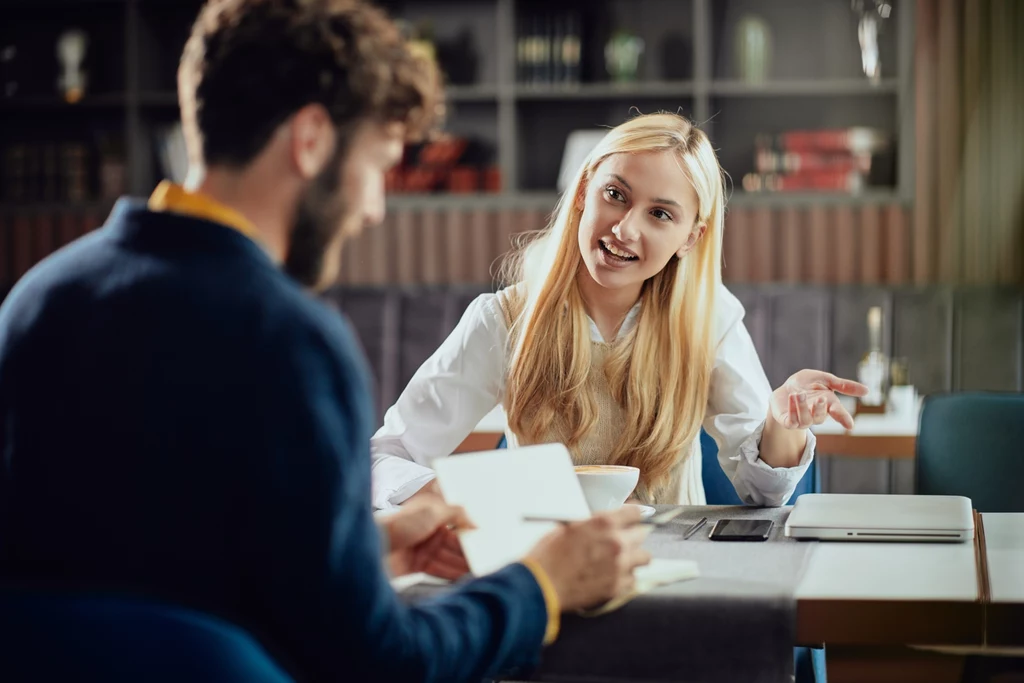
318 218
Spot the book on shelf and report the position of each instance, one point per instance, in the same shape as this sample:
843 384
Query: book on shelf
811 181
549 49
47 172
829 160
852 140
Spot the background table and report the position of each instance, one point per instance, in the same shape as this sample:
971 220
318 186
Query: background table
873 436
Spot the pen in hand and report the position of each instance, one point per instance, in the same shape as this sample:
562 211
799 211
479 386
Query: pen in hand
695 528
659 519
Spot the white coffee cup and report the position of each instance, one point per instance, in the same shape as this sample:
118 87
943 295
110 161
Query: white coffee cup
606 487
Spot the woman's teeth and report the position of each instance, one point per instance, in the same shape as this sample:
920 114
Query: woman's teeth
617 253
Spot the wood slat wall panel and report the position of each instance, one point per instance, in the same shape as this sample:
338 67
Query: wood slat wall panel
870 245
820 245
795 245
897 245
844 258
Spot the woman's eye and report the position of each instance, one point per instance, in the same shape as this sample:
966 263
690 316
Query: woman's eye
661 215
614 194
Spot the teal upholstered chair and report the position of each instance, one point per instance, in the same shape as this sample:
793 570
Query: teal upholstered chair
51 637
972 444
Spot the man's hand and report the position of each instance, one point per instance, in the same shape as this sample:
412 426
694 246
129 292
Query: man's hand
422 538
592 562
430 490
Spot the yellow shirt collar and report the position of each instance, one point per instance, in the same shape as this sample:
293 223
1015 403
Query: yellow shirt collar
171 197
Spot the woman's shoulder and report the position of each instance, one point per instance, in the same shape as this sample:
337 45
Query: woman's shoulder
491 310
728 311
511 301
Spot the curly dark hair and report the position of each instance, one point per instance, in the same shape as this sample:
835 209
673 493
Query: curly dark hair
250 64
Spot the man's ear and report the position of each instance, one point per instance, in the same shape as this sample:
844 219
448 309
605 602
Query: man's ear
312 140
692 240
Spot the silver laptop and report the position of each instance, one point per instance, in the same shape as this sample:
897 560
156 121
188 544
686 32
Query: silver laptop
866 517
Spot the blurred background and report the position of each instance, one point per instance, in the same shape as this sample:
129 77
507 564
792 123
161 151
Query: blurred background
875 150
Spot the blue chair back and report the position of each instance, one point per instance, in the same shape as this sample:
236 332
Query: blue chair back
719 490
970 444
52 637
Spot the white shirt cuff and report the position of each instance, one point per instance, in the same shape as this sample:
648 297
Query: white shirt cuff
758 483
396 479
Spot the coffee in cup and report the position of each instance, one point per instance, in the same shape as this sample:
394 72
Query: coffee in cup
606 487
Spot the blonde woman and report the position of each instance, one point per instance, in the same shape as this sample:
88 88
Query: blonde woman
618 340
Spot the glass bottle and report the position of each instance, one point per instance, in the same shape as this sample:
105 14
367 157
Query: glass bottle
873 370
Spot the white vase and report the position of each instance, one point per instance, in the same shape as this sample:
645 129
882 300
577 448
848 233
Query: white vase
753 44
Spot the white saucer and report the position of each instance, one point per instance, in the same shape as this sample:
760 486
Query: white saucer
645 510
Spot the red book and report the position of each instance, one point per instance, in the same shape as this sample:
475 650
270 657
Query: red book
855 139
771 161
816 181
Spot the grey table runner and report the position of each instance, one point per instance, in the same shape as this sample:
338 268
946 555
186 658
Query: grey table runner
737 622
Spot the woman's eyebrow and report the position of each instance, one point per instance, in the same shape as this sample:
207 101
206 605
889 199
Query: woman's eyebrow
657 200
623 181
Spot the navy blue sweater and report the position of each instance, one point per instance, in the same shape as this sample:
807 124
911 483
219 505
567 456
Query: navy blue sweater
180 421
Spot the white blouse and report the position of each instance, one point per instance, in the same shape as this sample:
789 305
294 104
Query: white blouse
465 379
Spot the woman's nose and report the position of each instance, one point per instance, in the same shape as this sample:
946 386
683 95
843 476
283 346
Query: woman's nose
625 230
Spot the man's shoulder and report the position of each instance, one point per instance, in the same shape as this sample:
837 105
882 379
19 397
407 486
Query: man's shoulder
307 320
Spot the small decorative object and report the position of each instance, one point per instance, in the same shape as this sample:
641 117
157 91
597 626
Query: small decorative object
872 13
71 47
622 56
753 42
873 370
902 394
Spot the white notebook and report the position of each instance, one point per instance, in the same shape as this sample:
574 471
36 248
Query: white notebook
500 488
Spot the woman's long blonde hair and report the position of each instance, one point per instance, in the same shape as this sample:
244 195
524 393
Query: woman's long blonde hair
659 373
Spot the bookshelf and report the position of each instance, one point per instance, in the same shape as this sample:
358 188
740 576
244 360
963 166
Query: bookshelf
815 76
689 65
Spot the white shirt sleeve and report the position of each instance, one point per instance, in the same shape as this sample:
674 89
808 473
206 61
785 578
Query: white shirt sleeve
447 397
737 408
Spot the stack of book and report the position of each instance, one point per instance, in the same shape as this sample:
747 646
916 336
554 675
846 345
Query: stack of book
47 172
31 234
832 160
449 163
549 49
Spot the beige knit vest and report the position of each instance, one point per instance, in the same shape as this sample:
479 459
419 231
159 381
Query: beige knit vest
683 487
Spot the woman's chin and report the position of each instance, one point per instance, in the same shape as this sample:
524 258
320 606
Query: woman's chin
613 278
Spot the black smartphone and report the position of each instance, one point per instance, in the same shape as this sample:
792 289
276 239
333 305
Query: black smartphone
741 530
